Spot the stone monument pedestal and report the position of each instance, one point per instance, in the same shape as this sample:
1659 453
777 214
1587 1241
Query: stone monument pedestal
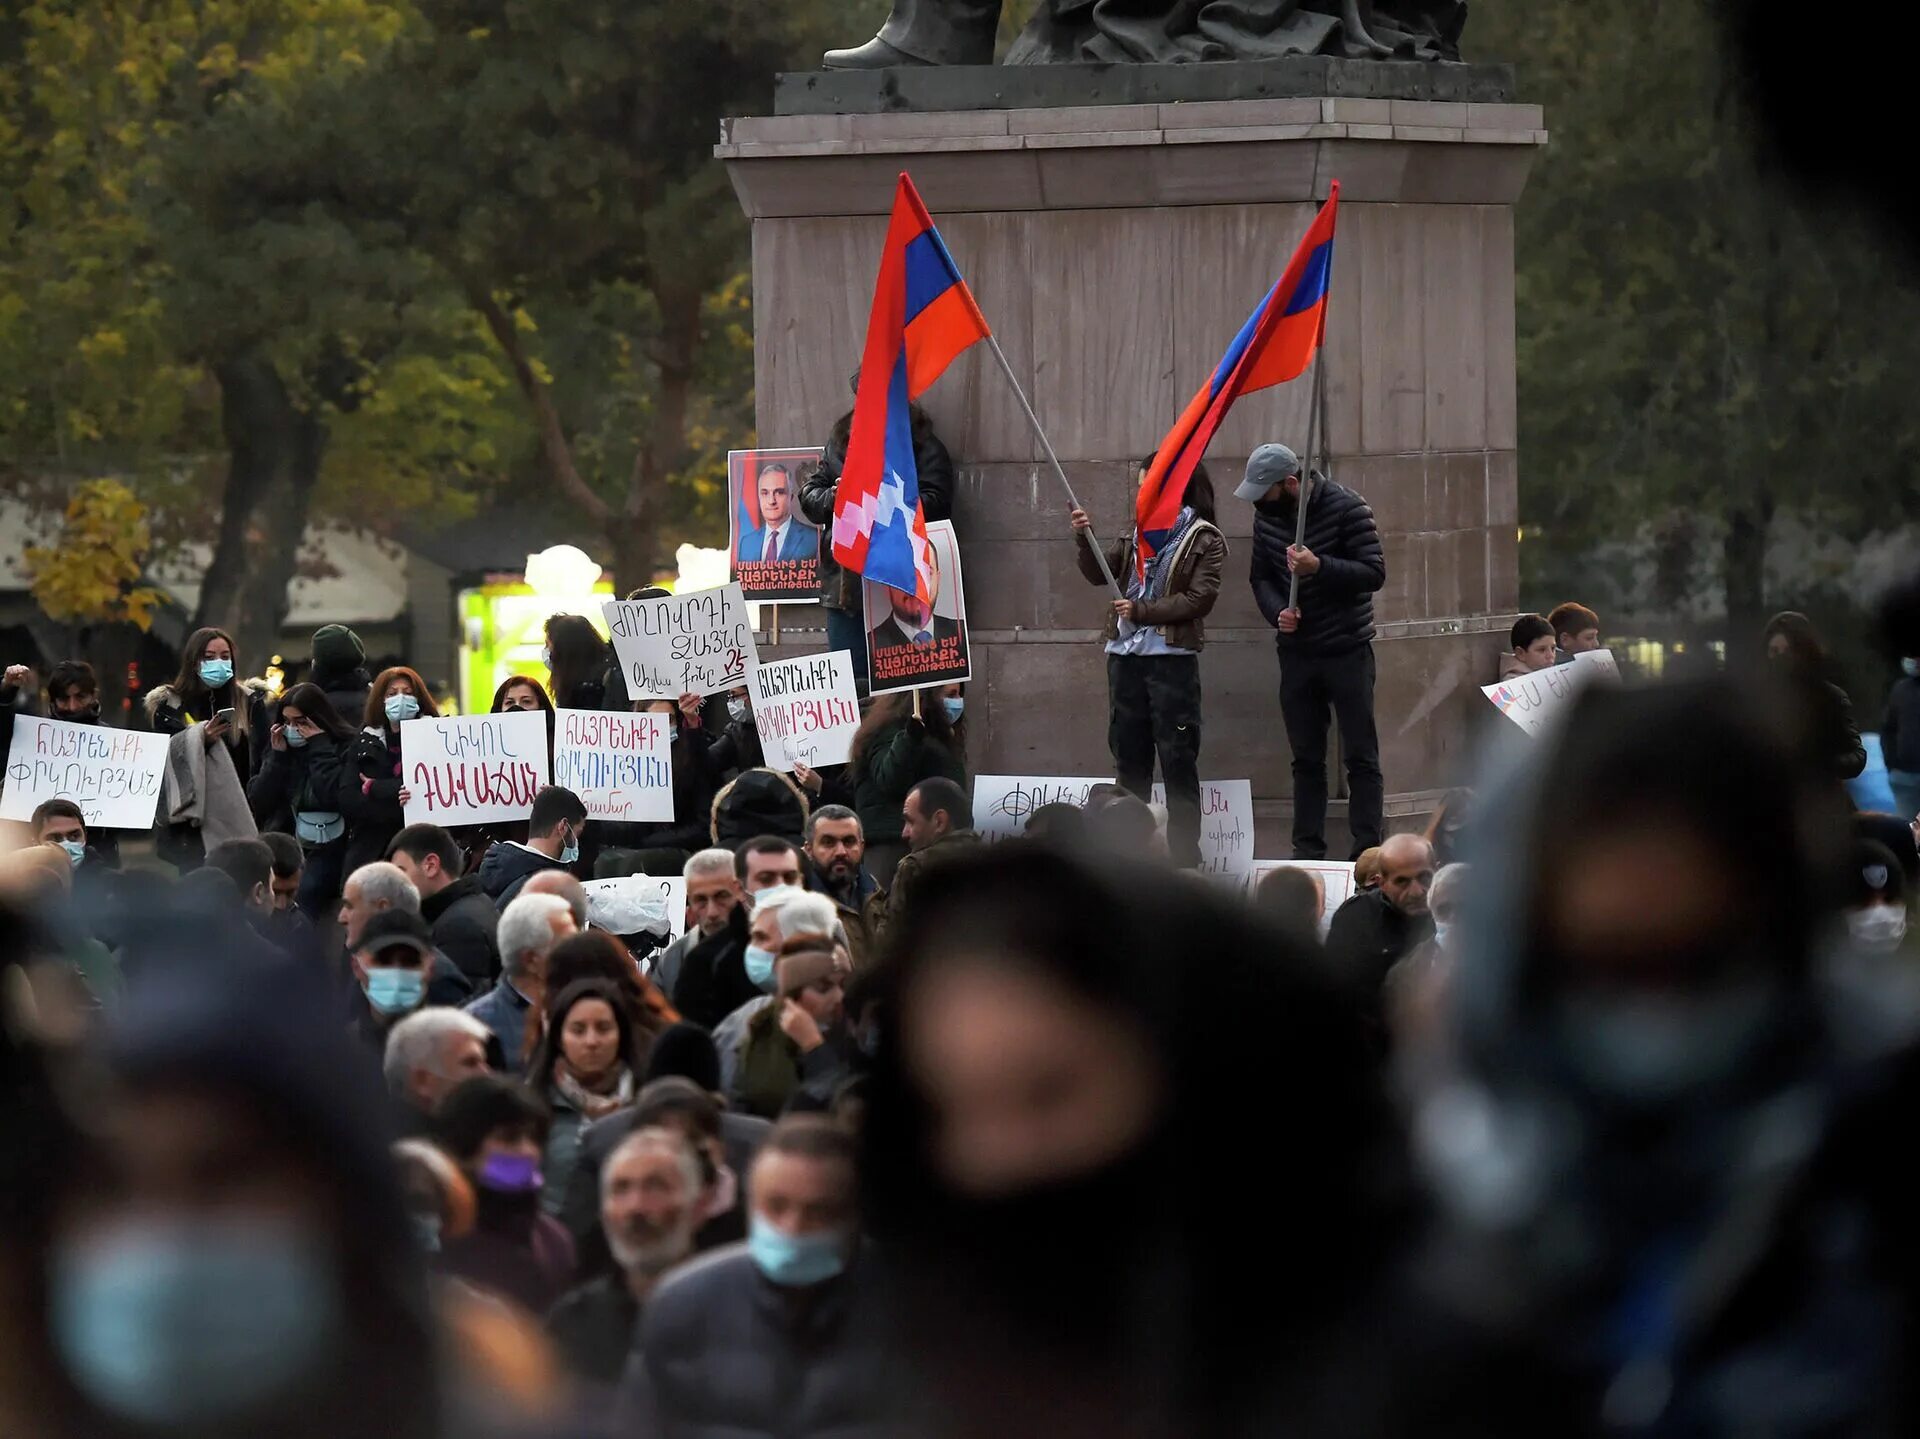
1116 248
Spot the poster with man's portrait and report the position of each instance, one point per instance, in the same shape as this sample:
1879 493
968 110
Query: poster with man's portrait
911 643
775 552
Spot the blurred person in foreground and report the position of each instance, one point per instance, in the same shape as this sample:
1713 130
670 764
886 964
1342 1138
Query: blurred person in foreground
1295 900
650 1192
1070 1057
1661 1157
780 1335
240 1264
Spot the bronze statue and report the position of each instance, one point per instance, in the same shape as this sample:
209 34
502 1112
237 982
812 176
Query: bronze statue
1066 32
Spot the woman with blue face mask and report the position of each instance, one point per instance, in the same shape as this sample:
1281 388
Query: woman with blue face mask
231 712
297 791
373 795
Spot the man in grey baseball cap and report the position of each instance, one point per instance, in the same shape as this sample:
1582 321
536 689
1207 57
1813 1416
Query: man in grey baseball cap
1325 640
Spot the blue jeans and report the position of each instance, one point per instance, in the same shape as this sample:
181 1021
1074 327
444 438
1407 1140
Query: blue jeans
848 631
320 880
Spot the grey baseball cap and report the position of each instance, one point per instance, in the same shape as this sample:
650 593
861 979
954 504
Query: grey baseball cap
1266 467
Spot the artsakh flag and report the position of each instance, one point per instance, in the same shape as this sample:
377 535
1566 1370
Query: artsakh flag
1275 345
923 316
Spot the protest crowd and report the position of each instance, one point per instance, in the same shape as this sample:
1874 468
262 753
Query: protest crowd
687 1047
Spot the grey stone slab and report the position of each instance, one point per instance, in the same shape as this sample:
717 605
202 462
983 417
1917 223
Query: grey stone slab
1084 117
1456 497
1118 141
1215 114
943 125
1502 362
1428 112
1503 489
784 129
1004 87
1454 327
1352 111
1506 116
1384 243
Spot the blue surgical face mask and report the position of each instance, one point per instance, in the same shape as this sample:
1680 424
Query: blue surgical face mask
1912 667
956 707
401 708
76 851
215 673
1440 933
795 1261
395 989
426 1232
570 852
185 1323
760 966
294 738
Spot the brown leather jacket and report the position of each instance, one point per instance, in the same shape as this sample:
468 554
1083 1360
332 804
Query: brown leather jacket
1192 586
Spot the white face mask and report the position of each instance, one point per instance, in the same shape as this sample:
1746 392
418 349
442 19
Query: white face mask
1878 927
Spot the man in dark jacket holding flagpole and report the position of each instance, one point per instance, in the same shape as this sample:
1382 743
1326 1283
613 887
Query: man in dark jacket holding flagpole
1325 638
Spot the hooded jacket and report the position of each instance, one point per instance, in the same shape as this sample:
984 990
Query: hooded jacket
838 589
1336 603
507 867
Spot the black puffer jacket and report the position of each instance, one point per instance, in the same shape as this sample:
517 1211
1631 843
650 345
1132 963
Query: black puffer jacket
1336 604
838 590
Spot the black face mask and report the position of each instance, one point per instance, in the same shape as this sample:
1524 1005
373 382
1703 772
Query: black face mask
89 714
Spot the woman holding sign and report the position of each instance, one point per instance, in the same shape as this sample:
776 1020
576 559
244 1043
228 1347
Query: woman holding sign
373 795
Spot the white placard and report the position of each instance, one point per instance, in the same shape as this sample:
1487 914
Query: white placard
1226 826
806 709
638 903
1335 876
698 643
112 774
473 769
1003 803
618 762
1535 701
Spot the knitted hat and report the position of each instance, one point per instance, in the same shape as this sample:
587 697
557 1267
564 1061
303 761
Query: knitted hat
337 648
685 1050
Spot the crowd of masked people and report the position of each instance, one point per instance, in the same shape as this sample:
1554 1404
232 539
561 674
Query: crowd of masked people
1583 1115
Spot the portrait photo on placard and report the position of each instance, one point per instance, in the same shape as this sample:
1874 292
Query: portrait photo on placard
912 643
775 552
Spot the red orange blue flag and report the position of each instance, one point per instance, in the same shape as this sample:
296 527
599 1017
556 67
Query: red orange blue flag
1276 344
923 316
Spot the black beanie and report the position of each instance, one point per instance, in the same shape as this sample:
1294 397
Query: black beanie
686 1050
337 649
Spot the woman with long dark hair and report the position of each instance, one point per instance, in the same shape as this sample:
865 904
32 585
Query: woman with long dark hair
1794 646
297 791
576 663
373 794
515 692
586 1067
892 751
231 711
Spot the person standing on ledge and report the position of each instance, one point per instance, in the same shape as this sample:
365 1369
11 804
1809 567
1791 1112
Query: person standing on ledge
1325 643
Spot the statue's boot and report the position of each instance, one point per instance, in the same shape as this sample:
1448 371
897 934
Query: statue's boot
926 32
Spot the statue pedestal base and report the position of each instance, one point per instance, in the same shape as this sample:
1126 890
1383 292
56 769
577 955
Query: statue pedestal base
1116 249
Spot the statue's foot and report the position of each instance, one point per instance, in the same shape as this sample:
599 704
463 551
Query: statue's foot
876 54
1357 34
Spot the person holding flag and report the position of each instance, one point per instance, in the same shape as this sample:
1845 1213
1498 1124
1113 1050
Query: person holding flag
923 316
1154 636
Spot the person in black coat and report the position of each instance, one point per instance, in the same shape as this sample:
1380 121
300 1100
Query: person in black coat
463 919
1378 928
713 977
1325 642
840 591
373 795
339 668
73 695
1829 728
297 791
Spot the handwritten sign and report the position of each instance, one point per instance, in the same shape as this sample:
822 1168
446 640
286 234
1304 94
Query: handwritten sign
698 643
619 763
638 904
1226 826
806 709
1536 701
473 769
1334 876
112 774
1003 803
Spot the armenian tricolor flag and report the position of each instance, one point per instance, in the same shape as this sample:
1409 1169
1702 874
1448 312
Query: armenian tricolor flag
923 316
1275 345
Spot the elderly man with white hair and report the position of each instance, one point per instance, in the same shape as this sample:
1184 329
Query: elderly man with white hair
530 927
778 915
428 1053
650 1192
713 890
378 887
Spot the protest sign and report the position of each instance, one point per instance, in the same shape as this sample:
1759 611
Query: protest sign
1535 701
806 709
1226 826
698 643
911 643
473 769
773 552
112 774
619 763
638 904
1003 803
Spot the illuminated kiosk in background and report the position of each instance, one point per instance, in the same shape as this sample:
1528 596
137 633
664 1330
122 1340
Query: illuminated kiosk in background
503 622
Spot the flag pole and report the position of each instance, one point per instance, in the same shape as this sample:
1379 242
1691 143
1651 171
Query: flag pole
1313 426
1093 541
